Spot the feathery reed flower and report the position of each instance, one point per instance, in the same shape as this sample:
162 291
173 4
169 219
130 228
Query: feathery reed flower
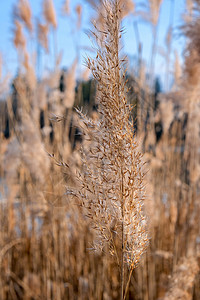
155 9
30 72
111 186
19 38
70 82
49 12
43 30
128 7
66 7
24 13
79 15
182 280
33 153
189 10
177 69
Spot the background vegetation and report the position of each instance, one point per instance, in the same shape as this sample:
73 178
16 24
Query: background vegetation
45 239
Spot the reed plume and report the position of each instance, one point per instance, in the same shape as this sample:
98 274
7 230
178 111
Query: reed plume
182 280
111 186
128 6
43 30
177 69
189 11
192 53
70 81
66 7
49 13
155 9
23 11
79 15
30 72
33 153
19 38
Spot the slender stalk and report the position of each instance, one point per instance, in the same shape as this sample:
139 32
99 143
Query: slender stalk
128 282
169 46
153 54
122 246
122 264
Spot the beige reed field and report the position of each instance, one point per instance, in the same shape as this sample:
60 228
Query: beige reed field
100 172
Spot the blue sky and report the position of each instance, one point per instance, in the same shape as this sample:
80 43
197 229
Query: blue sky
69 39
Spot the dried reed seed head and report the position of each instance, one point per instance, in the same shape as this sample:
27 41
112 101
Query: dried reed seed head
177 69
49 12
192 68
192 56
33 153
155 10
167 113
26 60
192 33
42 96
189 11
66 7
112 175
30 72
182 280
127 7
168 36
70 84
189 6
52 80
100 9
24 13
79 15
43 30
19 38
12 160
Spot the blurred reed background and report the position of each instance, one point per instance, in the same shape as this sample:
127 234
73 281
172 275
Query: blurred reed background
45 239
